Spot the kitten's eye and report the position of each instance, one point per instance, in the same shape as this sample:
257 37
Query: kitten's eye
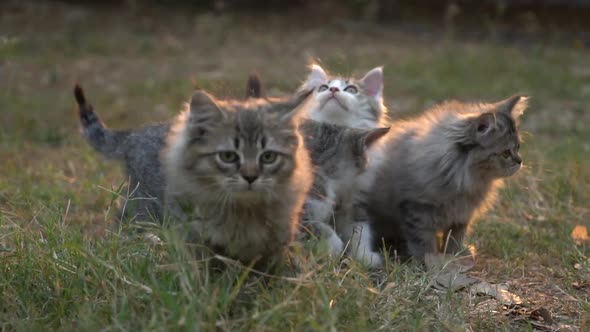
506 154
351 89
268 157
229 157
322 87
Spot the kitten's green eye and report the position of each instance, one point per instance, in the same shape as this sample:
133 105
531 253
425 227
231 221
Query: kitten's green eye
506 154
229 157
322 87
268 157
351 89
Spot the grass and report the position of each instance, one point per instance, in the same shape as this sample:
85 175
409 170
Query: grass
61 269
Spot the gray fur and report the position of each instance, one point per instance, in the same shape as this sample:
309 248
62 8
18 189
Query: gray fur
339 157
215 166
440 171
139 151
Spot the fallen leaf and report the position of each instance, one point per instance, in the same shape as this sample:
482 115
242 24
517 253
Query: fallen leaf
450 271
499 292
580 234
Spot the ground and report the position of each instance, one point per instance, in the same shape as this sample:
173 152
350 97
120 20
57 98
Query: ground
61 268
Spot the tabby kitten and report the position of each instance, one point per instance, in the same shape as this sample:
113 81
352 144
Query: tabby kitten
139 150
349 102
339 156
441 170
242 171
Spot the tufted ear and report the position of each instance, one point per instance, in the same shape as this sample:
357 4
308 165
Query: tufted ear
204 108
372 82
372 136
513 106
317 77
291 107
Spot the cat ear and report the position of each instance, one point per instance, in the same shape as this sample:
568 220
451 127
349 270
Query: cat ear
204 108
374 135
372 82
316 77
288 109
513 106
484 128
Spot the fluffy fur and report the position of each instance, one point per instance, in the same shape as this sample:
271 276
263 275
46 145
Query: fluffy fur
349 102
242 170
440 171
339 156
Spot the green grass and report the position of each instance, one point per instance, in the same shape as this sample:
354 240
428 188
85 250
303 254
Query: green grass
61 269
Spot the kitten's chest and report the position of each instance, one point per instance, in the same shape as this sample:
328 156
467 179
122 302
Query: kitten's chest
459 209
247 235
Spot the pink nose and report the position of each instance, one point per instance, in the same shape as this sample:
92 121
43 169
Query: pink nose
334 89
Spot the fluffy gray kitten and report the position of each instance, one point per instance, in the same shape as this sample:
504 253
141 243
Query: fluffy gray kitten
339 157
349 102
139 150
242 170
440 171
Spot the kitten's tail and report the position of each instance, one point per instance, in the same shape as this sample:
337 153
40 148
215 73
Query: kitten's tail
102 139
254 86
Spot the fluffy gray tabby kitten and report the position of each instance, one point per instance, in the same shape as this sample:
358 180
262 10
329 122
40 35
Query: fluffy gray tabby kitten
441 170
242 170
349 102
339 156
139 149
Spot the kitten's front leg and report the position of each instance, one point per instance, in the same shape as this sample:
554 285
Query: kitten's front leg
418 226
454 238
361 243
323 231
319 213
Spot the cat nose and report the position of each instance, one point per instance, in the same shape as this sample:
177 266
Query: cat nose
250 178
518 160
334 89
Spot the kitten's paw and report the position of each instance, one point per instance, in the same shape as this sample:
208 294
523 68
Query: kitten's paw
152 239
336 245
370 259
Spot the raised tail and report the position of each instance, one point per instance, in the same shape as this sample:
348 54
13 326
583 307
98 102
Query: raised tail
102 139
254 87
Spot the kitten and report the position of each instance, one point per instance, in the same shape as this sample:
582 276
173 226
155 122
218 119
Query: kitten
339 157
242 170
441 170
139 150
349 102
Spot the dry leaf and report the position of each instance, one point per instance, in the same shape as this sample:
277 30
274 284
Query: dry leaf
450 271
499 292
580 234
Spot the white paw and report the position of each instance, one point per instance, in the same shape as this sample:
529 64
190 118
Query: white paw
152 239
370 259
336 245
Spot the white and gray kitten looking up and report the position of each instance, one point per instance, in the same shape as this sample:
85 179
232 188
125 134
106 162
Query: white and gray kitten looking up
349 102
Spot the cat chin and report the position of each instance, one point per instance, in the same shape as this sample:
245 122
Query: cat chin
512 170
